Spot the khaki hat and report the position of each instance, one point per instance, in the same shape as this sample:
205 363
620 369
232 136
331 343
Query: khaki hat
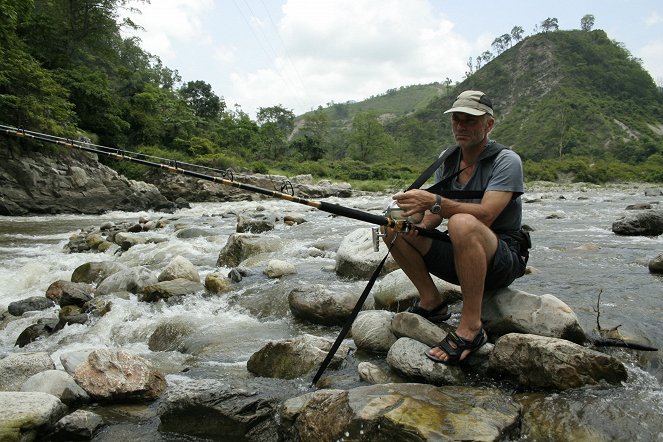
473 103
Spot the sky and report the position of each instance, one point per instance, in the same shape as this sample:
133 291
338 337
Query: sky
301 54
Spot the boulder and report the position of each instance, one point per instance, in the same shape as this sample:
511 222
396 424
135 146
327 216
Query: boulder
509 310
34 303
395 412
16 368
218 283
129 280
371 331
646 223
81 425
206 409
179 267
396 292
95 272
169 289
241 246
58 383
356 259
277 268
70 293
255 222
119 376
656 264
293 358
407 358
551 363
30 416
318 304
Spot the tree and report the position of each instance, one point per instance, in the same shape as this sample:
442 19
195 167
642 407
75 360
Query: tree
549 24
311 144
276 124
368 140
202 100
517 33
587 22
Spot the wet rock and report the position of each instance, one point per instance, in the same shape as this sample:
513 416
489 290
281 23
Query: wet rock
16 368
43 327
169 289
218 283
400 412
32 304
509 310
241 246
277 268
81 425
95 272
551 363
30 416
356 258
396 292
407 358
74 293
214 410
169 334
592 414
656 264
117 376
318 304
293 358
371 331
373 374
129 280
255 222
179 267
58 383
648 223
71 314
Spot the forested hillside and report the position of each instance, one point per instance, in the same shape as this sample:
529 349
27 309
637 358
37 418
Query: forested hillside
571 102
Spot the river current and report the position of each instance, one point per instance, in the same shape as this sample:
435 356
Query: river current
575 257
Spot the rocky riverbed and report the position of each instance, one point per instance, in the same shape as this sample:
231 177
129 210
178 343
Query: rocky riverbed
209 323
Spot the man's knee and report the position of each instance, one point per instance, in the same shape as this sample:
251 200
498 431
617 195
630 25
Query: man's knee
462 224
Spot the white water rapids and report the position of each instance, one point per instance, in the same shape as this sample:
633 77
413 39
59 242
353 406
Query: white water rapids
575 257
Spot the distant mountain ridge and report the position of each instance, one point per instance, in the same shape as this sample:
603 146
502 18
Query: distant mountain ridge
555 94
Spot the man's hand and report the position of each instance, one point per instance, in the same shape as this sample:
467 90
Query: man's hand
414 201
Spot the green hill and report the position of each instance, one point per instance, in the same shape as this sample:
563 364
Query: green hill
393 103
562 93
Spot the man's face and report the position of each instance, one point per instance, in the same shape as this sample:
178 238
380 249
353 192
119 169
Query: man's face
470 130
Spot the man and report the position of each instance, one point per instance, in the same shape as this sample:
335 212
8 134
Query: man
484 252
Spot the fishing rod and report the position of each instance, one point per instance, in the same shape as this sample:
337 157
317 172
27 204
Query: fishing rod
392 217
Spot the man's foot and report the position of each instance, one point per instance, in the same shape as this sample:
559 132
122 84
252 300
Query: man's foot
438 314
458 349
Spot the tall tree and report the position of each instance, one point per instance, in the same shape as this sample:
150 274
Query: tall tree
368 140
549 24
587 22
202 100
517 33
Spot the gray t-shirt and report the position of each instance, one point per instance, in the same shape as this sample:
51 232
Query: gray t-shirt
504 173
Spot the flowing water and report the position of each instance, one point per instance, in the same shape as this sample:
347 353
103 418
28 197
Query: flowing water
575 257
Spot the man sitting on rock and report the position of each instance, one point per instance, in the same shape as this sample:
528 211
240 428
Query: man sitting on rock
484 251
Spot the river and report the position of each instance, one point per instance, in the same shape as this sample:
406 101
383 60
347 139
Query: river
575 257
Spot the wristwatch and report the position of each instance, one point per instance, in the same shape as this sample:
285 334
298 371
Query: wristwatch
437 206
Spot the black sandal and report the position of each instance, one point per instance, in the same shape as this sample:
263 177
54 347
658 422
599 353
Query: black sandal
460 345
433 315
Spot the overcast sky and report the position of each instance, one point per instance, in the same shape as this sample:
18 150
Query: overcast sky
305 53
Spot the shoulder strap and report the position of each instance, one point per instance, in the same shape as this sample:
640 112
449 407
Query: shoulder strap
432 168
490 152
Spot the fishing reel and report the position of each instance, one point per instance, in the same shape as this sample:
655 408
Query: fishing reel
399 222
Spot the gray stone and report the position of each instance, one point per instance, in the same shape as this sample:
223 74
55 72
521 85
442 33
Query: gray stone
16 368
30 416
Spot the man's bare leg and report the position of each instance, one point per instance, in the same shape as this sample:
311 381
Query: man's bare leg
474 248
408 252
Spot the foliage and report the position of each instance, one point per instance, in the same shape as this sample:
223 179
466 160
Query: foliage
571 103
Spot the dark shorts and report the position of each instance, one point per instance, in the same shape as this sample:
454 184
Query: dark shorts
507 264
